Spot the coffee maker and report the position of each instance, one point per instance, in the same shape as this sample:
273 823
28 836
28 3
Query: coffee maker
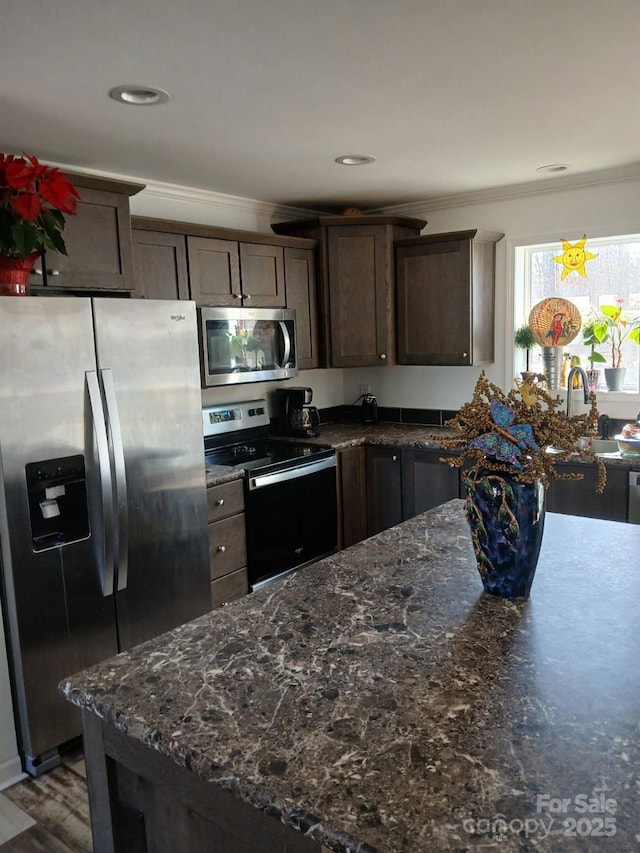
294 414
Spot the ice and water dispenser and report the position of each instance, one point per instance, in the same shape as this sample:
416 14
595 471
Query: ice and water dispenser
58 509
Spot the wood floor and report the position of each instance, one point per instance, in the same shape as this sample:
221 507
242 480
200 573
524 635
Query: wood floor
58 802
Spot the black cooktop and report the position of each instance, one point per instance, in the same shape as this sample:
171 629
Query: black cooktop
267 455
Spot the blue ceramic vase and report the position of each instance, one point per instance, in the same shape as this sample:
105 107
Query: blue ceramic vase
507 522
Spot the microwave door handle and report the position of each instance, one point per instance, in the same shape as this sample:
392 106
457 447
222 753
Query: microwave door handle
287 343
104 473
113 419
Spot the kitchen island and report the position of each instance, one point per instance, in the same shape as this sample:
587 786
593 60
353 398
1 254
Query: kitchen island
379 700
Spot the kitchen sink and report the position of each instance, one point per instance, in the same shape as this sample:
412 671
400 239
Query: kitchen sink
601 446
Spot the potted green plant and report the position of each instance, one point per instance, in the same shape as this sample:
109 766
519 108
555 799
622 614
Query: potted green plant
614 328
525 339
590 340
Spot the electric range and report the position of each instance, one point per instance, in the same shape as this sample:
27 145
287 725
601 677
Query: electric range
289 489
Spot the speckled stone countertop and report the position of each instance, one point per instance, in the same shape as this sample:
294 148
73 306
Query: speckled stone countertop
381 701
419 436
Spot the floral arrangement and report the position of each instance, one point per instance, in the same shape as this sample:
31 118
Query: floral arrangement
514 431
33 199
613 329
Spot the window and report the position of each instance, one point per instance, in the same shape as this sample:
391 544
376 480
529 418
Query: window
612 278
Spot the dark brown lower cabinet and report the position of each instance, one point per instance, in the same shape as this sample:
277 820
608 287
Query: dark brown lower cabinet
352 496
384 488
426 481
227 543
402 484
580 497
143 802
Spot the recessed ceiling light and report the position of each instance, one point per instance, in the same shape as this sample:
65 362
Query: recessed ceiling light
553 167
139 96
355 159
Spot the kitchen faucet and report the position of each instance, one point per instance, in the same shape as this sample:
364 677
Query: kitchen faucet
576 371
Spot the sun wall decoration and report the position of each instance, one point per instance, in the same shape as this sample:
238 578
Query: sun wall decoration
574 257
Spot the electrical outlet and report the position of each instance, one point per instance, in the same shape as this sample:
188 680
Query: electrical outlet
365 389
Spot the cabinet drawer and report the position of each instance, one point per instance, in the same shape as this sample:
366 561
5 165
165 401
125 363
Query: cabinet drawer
225 500
227 546
229 588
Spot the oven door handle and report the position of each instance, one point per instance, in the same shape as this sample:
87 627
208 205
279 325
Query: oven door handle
262 480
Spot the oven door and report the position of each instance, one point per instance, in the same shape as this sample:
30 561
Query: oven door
292 519
246 345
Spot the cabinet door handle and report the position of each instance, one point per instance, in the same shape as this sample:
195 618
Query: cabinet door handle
220 502
222 548
36 270
237 296
394 458
465 354
53 272
247 296
383 355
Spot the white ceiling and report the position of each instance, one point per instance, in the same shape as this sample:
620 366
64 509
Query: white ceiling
450 96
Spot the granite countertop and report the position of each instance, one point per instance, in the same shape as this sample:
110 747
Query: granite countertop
381 701
342 436
417 436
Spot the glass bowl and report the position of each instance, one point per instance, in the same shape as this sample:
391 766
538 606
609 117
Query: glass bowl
628 446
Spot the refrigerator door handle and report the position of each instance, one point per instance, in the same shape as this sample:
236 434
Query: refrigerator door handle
104 468
117 447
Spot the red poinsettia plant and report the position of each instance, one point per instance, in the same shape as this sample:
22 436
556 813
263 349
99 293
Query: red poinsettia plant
33 201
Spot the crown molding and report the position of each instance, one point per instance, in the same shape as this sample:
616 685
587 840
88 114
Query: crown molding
208 200
548 185
211 199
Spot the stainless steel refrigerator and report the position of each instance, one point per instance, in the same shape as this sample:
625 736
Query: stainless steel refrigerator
103 513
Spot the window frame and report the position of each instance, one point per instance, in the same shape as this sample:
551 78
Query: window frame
518 300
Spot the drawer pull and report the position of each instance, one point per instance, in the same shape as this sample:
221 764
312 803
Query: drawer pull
220 502
222 549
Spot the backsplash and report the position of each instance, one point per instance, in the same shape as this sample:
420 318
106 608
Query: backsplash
608 427
388 414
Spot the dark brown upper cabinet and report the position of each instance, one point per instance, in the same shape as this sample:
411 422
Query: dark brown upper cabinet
232 273
160 265
300 279
445 298
227 267
98 240
356 284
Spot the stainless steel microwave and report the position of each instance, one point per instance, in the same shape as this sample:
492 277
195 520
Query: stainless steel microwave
240 345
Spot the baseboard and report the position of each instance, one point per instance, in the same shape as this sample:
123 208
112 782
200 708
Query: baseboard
11 772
